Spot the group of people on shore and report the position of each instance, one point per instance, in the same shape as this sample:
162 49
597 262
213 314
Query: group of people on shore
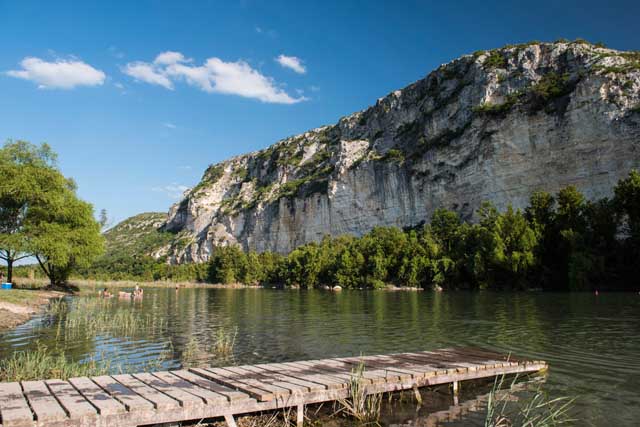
137 293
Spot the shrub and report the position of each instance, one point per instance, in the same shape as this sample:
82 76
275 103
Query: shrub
394 155
495 60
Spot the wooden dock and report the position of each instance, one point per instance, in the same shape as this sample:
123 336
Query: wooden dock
200 393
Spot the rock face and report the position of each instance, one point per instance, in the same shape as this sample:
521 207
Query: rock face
496 125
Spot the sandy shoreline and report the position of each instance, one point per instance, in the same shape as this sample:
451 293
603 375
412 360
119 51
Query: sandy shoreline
17 306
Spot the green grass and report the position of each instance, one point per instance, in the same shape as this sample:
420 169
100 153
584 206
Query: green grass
538 410
360 405
20 296
43 363
90 316
216 350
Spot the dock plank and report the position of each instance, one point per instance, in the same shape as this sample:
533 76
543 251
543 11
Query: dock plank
14 409
372 363
308 386
44 405
76 406
129 398
160 401
94 394
347 371
266 378
257 393
184 398
251 380
420 369
305 373
231 394
208 396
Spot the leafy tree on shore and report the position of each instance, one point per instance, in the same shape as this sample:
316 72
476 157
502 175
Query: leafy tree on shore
226 264
40 214
64 236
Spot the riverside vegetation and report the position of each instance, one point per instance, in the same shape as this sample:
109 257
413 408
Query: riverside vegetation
84 318
558 242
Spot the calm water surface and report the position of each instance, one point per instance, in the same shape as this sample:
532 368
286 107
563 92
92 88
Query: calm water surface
592 343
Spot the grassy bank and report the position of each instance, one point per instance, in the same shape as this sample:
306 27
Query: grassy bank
84 285
18 305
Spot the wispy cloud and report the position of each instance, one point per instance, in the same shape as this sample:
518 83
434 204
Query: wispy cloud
148 73
169 125
266 31
117 53
59 74
214 76
170 57
292 62
173 191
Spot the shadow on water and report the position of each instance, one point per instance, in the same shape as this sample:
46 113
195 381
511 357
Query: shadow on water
591 343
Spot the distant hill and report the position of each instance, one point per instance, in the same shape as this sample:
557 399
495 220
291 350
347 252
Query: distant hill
137 236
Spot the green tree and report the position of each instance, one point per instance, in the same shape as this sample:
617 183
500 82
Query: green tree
26 171
40 214
64 235
514 245
226 264
627 204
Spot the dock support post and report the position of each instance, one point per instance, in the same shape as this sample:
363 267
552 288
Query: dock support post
300 415
456 389
230 421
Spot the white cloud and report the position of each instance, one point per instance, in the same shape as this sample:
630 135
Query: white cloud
147 73
169 125
292 62
214 76
170 57
61 74
173 191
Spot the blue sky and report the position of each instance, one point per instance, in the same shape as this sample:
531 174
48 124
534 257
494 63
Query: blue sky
133 128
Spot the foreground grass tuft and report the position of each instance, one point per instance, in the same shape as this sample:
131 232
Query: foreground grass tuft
537 411
363 407
42 363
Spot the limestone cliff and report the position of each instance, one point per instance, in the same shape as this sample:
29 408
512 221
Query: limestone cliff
495 125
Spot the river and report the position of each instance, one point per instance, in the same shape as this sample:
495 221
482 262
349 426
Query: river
592 343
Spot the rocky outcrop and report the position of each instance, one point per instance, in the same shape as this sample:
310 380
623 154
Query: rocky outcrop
495 125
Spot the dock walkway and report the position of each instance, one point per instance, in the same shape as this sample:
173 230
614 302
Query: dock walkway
199 393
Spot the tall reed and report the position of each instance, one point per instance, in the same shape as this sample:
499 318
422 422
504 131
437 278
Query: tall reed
90 316
361 405
538 410
224 342
42 363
